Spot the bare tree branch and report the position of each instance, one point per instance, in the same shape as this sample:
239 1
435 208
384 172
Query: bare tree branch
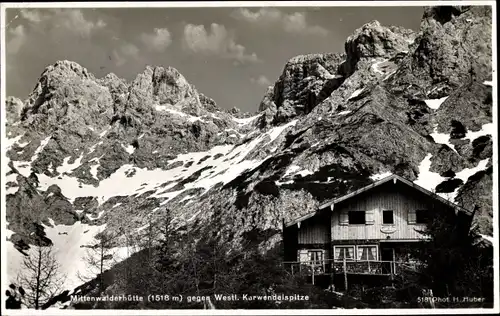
40 276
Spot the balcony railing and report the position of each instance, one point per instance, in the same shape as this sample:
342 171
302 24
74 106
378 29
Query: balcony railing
349 266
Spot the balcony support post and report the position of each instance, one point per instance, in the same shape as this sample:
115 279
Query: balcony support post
345 274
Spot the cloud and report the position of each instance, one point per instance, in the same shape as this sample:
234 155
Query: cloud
124 53
217 41
264 15
67 27
294 23
33 16
65 20
159 40
16 39
261 81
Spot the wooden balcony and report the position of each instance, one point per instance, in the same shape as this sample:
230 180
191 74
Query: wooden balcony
329 266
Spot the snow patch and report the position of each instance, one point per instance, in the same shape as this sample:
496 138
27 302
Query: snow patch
486 129
488 83
376 67
356 93
129 149
103 133
12 178
92 148
275 132
389 75
90 217
465 174
295 170
165 108
119 183
23 167
304 173
344 112
186 198
435 103
233 130
67 167
291 170
11 141
441 138
279 183
67 240
245 121
11 190
427 179
22 145
40 148
194 216
93 170
142 228
488 238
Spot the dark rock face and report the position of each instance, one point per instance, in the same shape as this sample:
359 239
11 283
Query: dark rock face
469 106
305 82
477 195
104 151
310 80
455 44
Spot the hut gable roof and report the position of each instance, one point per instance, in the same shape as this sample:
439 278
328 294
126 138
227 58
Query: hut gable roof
394 178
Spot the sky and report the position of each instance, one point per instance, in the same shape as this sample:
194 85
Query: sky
229 54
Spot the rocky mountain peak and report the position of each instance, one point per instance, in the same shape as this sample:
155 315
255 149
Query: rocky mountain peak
158 86
301 85
309 80
373 40
66 93
67 68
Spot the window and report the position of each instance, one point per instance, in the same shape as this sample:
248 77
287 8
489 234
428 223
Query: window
422 216
367 253
312 261
342 252
316 256
307 256
388 217
357 218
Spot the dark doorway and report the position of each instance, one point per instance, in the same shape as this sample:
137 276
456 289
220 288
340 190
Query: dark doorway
386 254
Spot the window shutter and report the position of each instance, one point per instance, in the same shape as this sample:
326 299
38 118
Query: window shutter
344 218
412 217
370 217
